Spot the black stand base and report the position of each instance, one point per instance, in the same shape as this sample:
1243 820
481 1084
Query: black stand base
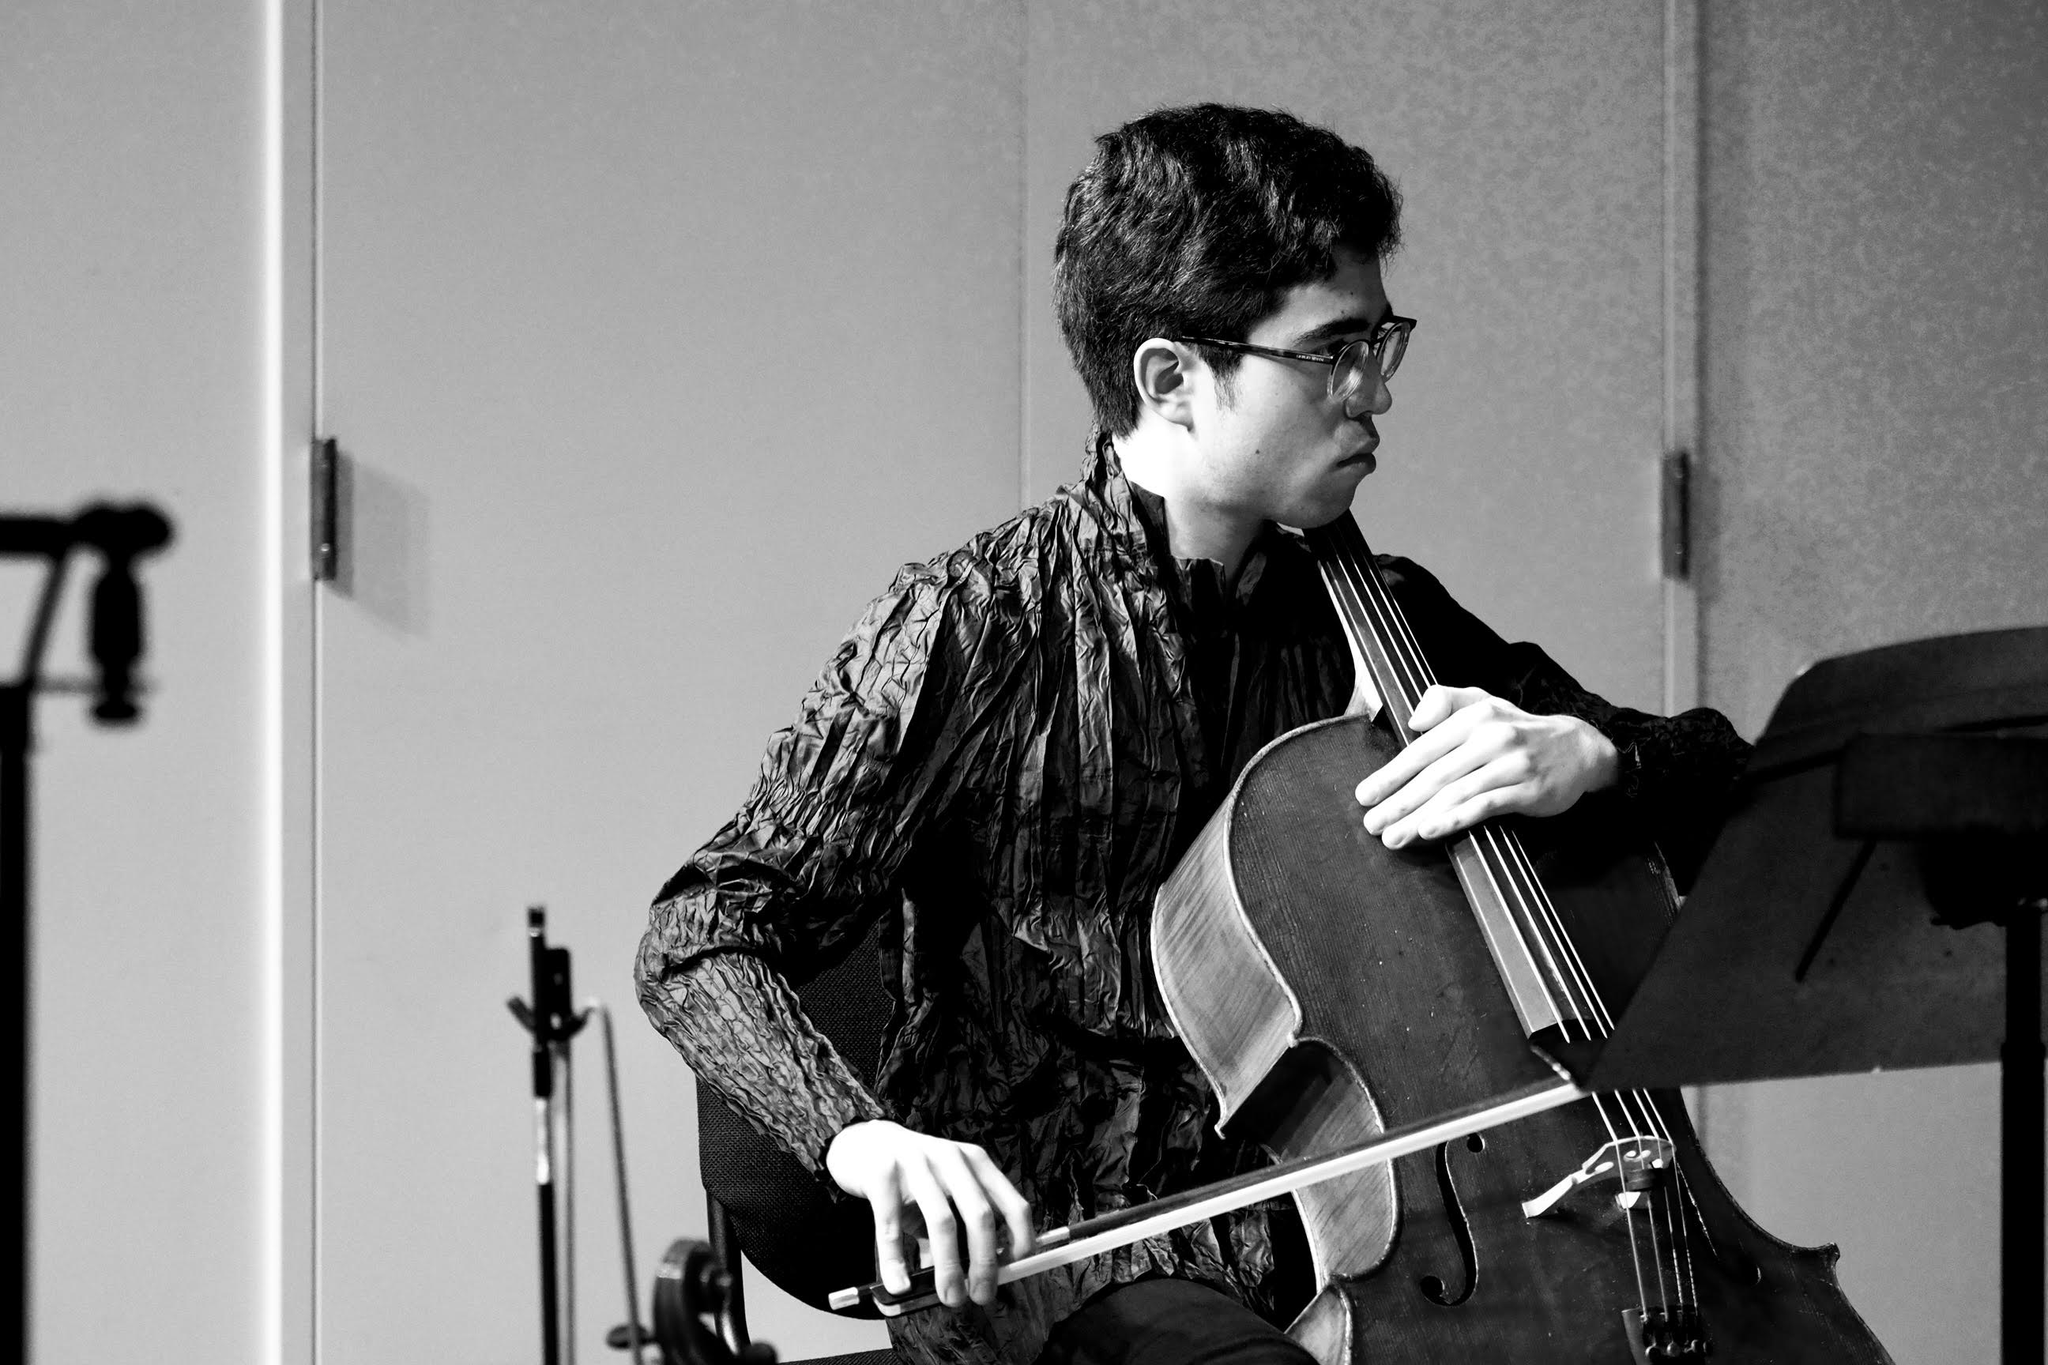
2021 1142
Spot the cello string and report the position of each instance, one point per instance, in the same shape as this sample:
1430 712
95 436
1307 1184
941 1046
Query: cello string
1549 926
1364 598
1515 881
1500 853
1657 1257
1684 1201
1635 1257
1545 921
1688 1291
1680 1232
1508 855
1513 852
1674 1189
1362 602
1567 1019
1498 846
1410 678
1398 638
1554 925
1398 641
1684 1185
1399 652
1644 1103
1546 925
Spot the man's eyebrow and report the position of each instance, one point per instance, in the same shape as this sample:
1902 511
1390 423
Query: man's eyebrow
1330 331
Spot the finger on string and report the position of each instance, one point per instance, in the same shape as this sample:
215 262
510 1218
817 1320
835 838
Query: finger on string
942 1228
977 1220
1459 804
885 1204
1438 702
1452 775
1398 771
1013 1207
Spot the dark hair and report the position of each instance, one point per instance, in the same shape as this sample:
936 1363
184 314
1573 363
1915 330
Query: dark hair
1195 221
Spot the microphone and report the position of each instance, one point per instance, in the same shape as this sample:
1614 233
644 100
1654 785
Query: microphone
121 535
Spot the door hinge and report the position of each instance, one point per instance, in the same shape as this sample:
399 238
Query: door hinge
1677 515
326 485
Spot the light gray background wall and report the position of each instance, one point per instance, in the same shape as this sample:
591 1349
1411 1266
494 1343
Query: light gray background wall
657 336
130 367
131 262
657 339
1875 469
1532 172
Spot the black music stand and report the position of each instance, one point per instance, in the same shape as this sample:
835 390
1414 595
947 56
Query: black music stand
1875 902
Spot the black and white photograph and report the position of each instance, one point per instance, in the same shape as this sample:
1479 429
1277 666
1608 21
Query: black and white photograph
1024 682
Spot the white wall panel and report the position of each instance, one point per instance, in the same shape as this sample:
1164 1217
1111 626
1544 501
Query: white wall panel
657 335
573 266
131 152
1875 469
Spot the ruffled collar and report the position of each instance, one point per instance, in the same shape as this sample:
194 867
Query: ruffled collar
1136 517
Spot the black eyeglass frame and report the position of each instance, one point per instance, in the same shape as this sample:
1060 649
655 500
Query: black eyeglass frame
1376 344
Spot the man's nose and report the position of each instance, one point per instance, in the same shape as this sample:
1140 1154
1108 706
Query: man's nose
1372 399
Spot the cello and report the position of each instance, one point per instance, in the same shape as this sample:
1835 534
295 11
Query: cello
1329 986
1385 1023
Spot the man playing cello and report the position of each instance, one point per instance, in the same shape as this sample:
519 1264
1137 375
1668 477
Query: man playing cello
1010 752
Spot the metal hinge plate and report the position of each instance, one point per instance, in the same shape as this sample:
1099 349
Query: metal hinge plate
326 483
1677 515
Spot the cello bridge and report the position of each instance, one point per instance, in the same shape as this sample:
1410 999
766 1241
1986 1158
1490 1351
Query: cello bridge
1638 1164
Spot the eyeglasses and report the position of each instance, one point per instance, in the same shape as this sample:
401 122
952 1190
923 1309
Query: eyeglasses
1348 365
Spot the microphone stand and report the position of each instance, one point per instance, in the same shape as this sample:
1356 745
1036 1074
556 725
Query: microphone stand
553 1021
120 535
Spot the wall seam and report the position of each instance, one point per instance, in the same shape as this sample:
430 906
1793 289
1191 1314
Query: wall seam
1681 308
1023 254
289 666
316 380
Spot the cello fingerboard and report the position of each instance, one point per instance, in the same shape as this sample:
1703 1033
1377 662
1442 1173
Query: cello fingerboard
1548 989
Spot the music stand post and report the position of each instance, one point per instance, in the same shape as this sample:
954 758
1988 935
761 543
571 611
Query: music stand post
1875 903
120 536
1975 807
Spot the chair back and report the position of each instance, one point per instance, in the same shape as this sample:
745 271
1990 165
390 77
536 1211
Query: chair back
791 1225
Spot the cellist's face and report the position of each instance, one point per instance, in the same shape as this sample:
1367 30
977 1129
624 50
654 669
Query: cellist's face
1270 442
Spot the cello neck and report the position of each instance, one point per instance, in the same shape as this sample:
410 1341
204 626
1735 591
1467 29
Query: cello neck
1372 620
1536 961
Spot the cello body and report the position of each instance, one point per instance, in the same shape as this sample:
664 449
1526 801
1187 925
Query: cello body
1329 987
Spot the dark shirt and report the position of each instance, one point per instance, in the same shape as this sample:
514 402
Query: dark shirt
1004 761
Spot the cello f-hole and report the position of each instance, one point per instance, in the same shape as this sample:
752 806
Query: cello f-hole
1432 1286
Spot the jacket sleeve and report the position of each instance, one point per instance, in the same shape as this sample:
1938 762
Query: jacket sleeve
811 859
1678 773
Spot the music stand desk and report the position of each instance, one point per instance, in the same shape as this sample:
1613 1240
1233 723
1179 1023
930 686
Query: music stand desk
1875 902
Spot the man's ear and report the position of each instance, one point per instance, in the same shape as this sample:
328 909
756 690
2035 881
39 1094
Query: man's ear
1163 373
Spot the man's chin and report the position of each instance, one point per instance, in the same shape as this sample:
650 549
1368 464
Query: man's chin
1322 509
1314 517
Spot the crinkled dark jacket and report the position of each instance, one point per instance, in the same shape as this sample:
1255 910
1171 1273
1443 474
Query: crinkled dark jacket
1006 758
